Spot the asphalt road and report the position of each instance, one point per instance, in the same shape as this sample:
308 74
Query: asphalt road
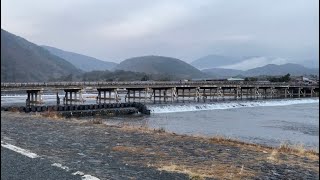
17 166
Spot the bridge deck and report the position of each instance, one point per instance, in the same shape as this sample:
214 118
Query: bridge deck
147 84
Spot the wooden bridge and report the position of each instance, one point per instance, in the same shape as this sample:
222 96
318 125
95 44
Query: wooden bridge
162 91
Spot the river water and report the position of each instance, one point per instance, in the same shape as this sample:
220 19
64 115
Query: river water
268 122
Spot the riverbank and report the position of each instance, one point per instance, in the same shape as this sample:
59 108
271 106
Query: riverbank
124 152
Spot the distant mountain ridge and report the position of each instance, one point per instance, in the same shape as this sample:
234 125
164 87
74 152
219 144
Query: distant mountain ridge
213 61
160 65
222 73
23 61
270 69
83 62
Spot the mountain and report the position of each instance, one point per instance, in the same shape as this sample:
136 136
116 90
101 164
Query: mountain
213 61
80 61
160 65
222 73
23 61
270 69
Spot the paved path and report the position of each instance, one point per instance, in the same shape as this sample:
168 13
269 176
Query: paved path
17 166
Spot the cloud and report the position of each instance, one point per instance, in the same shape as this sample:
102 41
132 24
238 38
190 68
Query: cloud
256 62
141 23
116 30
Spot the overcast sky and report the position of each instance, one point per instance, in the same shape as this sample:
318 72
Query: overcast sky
114 30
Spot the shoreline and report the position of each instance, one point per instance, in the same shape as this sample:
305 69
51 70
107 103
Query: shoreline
154 151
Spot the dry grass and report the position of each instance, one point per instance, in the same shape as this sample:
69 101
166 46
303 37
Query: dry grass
142 128
274 156
14 109
292 154
299 150
221 171
129 149
96 121
52 115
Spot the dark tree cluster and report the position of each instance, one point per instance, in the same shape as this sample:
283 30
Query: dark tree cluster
285 78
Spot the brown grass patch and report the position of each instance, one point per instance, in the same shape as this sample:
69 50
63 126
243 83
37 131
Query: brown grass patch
221 171
274 156
13 109
52 115
129 149
299 150
96 121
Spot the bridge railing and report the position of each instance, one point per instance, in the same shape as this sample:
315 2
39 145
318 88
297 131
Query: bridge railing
148 83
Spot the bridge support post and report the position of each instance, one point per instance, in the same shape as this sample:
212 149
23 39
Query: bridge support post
204 95
154 96
34 97
222 93
58 98
256 93
177 95
272 93
172 94
127 96
145 94
285 93
197 94
99 97
104 97
235 93
183 95
134 95
311 92
68 99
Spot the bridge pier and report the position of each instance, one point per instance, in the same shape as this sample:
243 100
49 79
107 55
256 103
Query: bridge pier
163 93
222 93
34 97
192 92
108 98
58 98
299 92
72 96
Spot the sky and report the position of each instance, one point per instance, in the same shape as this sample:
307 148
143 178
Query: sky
112 30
